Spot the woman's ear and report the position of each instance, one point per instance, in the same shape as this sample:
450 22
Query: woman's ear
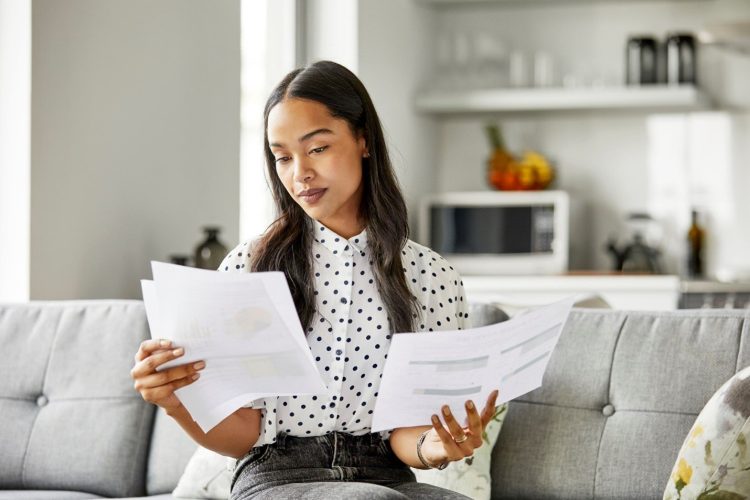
363 145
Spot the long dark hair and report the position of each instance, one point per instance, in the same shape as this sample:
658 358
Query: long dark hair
285 245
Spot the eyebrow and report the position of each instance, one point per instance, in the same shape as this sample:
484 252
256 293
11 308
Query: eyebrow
306 136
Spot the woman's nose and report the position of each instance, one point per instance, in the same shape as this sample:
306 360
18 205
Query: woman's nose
302 171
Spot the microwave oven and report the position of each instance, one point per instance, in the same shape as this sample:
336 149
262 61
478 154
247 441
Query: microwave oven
498 232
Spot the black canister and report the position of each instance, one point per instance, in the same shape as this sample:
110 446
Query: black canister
681 59
640 60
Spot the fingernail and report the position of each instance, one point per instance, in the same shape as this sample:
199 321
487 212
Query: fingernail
446 411
434 419
199 365
164 343
178 351
196 376
470 404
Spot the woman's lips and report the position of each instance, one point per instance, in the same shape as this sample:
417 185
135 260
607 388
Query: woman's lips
314 196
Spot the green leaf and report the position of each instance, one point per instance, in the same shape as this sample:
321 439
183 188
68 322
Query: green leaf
720 495
679 484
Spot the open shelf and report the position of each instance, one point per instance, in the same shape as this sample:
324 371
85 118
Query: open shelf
655 97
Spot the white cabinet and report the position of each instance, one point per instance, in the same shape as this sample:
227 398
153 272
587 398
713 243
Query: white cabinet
513 293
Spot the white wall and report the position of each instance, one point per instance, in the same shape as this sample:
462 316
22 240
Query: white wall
135 138
15 166
394 44
602 158
332 32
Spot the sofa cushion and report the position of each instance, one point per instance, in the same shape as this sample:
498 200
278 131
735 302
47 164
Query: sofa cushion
171 449
714 461
44 495
70 416
620 393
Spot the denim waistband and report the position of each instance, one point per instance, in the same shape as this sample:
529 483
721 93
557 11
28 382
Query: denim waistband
335 456
342 439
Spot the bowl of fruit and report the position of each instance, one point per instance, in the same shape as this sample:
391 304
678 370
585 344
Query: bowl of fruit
505 171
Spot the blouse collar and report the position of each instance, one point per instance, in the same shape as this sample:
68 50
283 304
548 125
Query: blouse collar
336 243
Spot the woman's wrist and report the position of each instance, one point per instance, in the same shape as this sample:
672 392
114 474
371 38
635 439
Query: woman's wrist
422 459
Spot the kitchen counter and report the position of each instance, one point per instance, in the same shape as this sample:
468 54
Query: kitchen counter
715 294
707 286
635 292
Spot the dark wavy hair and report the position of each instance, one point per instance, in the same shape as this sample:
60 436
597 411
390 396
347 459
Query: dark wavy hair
286 244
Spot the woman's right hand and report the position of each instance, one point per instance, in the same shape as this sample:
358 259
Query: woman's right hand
158 387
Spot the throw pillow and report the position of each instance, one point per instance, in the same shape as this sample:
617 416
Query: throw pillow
714 461
207 475
471 476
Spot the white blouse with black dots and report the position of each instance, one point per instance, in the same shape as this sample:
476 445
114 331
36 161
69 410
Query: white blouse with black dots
350 333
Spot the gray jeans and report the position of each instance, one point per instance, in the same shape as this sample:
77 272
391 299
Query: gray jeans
336 465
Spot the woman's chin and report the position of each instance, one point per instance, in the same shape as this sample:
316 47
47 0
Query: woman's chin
314 212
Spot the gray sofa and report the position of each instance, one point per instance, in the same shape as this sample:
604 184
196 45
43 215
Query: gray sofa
620 394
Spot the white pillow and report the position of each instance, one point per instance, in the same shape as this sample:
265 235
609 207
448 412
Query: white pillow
470 477
207 475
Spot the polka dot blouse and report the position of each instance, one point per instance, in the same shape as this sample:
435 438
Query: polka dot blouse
350 334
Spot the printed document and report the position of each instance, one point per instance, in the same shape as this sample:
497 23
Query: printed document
426 370
243 325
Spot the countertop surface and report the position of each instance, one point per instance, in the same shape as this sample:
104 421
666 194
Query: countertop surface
575 282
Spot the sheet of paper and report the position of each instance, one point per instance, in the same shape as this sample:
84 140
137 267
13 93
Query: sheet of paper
427 370
243 325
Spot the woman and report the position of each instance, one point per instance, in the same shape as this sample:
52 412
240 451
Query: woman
341 237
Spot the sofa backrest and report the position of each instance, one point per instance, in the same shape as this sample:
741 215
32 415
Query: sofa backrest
70 418
620 394
171 449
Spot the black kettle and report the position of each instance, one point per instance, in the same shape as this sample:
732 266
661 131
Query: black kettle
635 257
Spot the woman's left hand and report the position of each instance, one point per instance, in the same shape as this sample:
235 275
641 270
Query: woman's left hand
452 442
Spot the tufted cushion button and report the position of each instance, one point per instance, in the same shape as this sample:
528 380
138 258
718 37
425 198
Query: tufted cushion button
608 410
42 400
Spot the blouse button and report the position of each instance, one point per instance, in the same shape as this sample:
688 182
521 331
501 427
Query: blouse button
339 352
343 300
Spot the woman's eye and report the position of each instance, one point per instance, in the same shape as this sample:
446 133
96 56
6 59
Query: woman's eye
280 160
320 149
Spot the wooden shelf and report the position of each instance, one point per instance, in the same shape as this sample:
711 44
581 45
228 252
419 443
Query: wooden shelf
652 98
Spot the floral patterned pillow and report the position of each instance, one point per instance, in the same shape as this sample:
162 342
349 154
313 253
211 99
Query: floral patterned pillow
714 461
470 476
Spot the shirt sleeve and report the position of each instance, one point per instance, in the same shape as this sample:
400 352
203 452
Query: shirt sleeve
447 306
238 259
444 301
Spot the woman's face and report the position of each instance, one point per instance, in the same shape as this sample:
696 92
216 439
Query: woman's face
319 161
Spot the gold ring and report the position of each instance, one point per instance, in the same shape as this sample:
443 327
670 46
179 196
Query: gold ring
462 439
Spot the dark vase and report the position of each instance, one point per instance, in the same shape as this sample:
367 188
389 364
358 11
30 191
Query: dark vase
210 253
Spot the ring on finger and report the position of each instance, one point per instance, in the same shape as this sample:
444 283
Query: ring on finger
461 439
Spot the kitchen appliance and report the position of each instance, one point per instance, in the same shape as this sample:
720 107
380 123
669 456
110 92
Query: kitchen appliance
498 233
681 59
639 254
640 60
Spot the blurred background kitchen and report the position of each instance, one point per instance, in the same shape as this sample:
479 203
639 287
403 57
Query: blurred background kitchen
611 138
